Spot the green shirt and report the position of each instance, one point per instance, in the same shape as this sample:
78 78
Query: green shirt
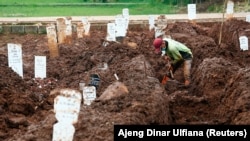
177 51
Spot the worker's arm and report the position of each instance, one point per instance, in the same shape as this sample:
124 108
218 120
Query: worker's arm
176 56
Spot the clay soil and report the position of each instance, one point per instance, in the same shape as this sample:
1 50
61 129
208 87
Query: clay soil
219 93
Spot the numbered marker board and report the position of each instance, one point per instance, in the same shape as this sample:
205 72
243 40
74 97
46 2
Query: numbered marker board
67 105
40 67
161 24
94 80
80 30
125 13
61 29
243 43
89 94
229 10
66 108
63 132
191 11
15 60
151 22
68 30
230 7
248 18
111 32
52 40
120 24
86 25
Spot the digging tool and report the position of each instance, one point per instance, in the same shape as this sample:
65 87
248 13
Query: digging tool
165 77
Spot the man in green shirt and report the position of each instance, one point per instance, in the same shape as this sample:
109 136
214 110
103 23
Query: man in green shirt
178 53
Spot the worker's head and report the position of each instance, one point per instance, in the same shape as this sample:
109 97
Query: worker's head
158 44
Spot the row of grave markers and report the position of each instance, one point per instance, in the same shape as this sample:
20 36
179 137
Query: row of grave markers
15 60
191 16
62 31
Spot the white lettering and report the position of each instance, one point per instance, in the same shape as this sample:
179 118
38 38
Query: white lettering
213 132
127 133
153 132
185 132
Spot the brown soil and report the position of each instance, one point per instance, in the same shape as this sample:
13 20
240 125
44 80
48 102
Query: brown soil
219 92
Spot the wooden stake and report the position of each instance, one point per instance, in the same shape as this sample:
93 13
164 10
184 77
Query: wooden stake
221 27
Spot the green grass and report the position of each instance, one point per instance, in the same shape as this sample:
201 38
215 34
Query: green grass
40 11
63 1
38 1
40 8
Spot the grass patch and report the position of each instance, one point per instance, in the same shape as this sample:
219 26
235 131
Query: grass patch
39 11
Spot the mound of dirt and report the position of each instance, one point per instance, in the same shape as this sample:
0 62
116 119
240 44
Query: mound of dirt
218 94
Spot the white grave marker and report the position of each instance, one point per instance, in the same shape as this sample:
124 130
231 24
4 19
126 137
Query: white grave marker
89 94
230 7
125 13
161 24
66 108
191 11
40 67
68 30
120 26
243 43
111 32
15 60
63 132
248 18
86 25
151 22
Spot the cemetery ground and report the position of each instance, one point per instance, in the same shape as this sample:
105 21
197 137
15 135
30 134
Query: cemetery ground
219 93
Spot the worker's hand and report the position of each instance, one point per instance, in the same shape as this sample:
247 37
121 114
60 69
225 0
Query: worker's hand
171 67
166 58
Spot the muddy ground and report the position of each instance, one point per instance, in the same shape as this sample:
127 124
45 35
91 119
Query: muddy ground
219 92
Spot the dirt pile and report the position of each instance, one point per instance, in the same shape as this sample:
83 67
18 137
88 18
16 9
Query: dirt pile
219 92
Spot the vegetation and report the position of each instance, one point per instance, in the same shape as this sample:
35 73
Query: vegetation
39 8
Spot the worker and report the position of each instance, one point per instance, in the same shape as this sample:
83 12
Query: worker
177 53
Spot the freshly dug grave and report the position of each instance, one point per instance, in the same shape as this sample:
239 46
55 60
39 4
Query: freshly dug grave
219 92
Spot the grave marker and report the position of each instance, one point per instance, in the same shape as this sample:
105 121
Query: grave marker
67 134
161 24
79 30
151 22
125 13
120 26
243 43
40 67
61 28
52 40
94 80
230 9
68 30
86 26
15 60
191 11
66 108
89 94
111 29
248 18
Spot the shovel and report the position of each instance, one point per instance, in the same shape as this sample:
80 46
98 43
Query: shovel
165 77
